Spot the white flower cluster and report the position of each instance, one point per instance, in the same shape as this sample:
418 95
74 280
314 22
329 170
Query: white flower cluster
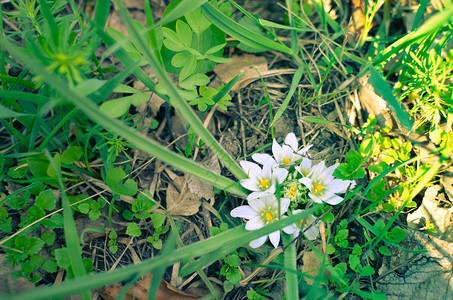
298 183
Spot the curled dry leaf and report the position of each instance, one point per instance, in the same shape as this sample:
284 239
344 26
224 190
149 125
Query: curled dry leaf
184 194
140 291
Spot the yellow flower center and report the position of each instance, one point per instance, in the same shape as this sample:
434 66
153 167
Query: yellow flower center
292 192
263 183
286 160
268 216
318 187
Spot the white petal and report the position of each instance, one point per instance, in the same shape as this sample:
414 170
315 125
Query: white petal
327 173
312 232
269 200
267 171
263 158
250 184
255 195
244 211
280 174
338 186
332 199
306 181
258 242
292 229
291 141
254 224
251 169
284 204
317 170
304 150
276 150
275 238
314 198
257 203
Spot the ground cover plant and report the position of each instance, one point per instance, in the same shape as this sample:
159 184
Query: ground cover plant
223 149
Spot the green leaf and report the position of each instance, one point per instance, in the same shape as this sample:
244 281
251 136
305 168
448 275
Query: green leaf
48 237
397 235
71 155
356 250
113 248
55 221
234 276
50 266
38 165
193 81
354 262
157 244
180 59
197 21
189 68
184 33
232 260
46 200
330 249
17 172
94 214
35 213
133 230
385 251
62 258
172 41
17 202
157 219
89 86
329 218
367 271
114 180
117 107
215 49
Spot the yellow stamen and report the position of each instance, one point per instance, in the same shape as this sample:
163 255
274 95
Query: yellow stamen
318 187
268 216
286 160
292 192
264 183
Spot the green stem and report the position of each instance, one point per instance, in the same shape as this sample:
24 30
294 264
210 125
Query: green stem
290 261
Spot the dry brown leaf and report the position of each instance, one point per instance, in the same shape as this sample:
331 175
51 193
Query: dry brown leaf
246 63
184 194
140 290
430 211
180 201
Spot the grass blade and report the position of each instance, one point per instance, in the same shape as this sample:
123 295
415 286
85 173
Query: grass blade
241 33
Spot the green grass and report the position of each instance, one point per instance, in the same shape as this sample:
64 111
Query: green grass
68 117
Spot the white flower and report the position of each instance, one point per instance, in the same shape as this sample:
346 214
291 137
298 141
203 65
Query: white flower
305 167
262 211
310 231
283 155
261 181
323 186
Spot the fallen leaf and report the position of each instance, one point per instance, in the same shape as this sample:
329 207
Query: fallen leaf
184 194
311 265
140 291
430 211
246 63
180 201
